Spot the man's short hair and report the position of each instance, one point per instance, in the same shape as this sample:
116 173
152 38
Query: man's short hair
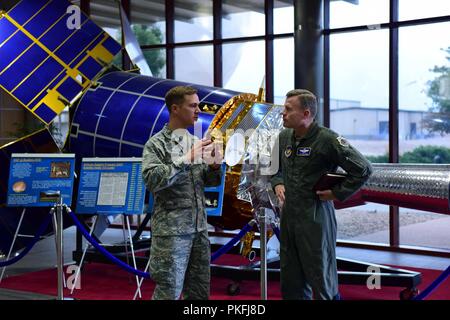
306 98
176 95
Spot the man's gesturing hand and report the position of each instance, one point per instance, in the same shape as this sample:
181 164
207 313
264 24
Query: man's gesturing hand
279 191
196 153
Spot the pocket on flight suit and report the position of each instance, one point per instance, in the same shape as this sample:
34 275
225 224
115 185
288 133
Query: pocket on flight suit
178 215
314 224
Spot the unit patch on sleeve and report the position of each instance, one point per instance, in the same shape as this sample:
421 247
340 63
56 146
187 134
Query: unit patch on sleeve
342 141
288 151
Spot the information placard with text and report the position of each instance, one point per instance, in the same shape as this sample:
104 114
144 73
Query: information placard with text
111 186
36 179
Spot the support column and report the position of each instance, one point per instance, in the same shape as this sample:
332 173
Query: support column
85 6
308 37
170 38
217 30
394 212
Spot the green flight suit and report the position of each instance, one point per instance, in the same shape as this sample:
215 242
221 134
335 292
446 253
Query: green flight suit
180 249
308 225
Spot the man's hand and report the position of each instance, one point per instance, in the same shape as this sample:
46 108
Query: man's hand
326 195
213 155
279 191
196 153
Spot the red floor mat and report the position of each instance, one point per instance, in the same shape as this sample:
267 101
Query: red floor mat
109 282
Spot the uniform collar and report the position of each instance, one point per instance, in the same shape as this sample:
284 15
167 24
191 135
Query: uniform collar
170 135
166 131
312 131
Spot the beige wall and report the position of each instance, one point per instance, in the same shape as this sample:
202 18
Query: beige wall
404 124
365 123
357 122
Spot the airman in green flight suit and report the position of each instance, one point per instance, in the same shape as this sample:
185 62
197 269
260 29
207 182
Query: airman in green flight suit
308 222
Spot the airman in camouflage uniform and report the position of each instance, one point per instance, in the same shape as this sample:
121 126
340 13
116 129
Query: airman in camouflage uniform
180 249
308 223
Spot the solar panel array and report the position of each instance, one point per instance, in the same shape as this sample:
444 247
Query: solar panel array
49 54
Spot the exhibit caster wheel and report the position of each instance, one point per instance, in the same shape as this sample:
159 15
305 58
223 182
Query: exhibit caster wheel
409 293
233 289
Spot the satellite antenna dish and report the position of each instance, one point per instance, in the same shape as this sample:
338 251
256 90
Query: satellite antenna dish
235 149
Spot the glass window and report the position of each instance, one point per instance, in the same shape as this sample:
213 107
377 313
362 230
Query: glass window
108 17
367 223
424 229
115 33
283 16
362 12
424 120
193 20
60 127
283 68
194 65
417 9
424 93
242 19
149 34
359 90
156 59
117 61
243 66
148 21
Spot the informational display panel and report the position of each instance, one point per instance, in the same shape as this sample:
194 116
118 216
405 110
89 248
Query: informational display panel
36 179
214 197
111 186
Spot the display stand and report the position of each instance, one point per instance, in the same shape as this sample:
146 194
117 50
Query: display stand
128 238
58 211
112 186
43 180
77 274
16 234
263 251
126 218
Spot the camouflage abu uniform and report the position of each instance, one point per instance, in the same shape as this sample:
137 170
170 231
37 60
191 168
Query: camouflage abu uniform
180 249
308 225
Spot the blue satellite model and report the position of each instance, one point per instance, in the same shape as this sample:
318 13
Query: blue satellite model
50 60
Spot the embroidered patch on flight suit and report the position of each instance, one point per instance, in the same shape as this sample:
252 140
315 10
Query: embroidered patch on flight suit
288 151
342 141
304 151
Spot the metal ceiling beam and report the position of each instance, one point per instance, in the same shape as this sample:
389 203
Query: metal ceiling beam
105 21
349 1
145 11
256 6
